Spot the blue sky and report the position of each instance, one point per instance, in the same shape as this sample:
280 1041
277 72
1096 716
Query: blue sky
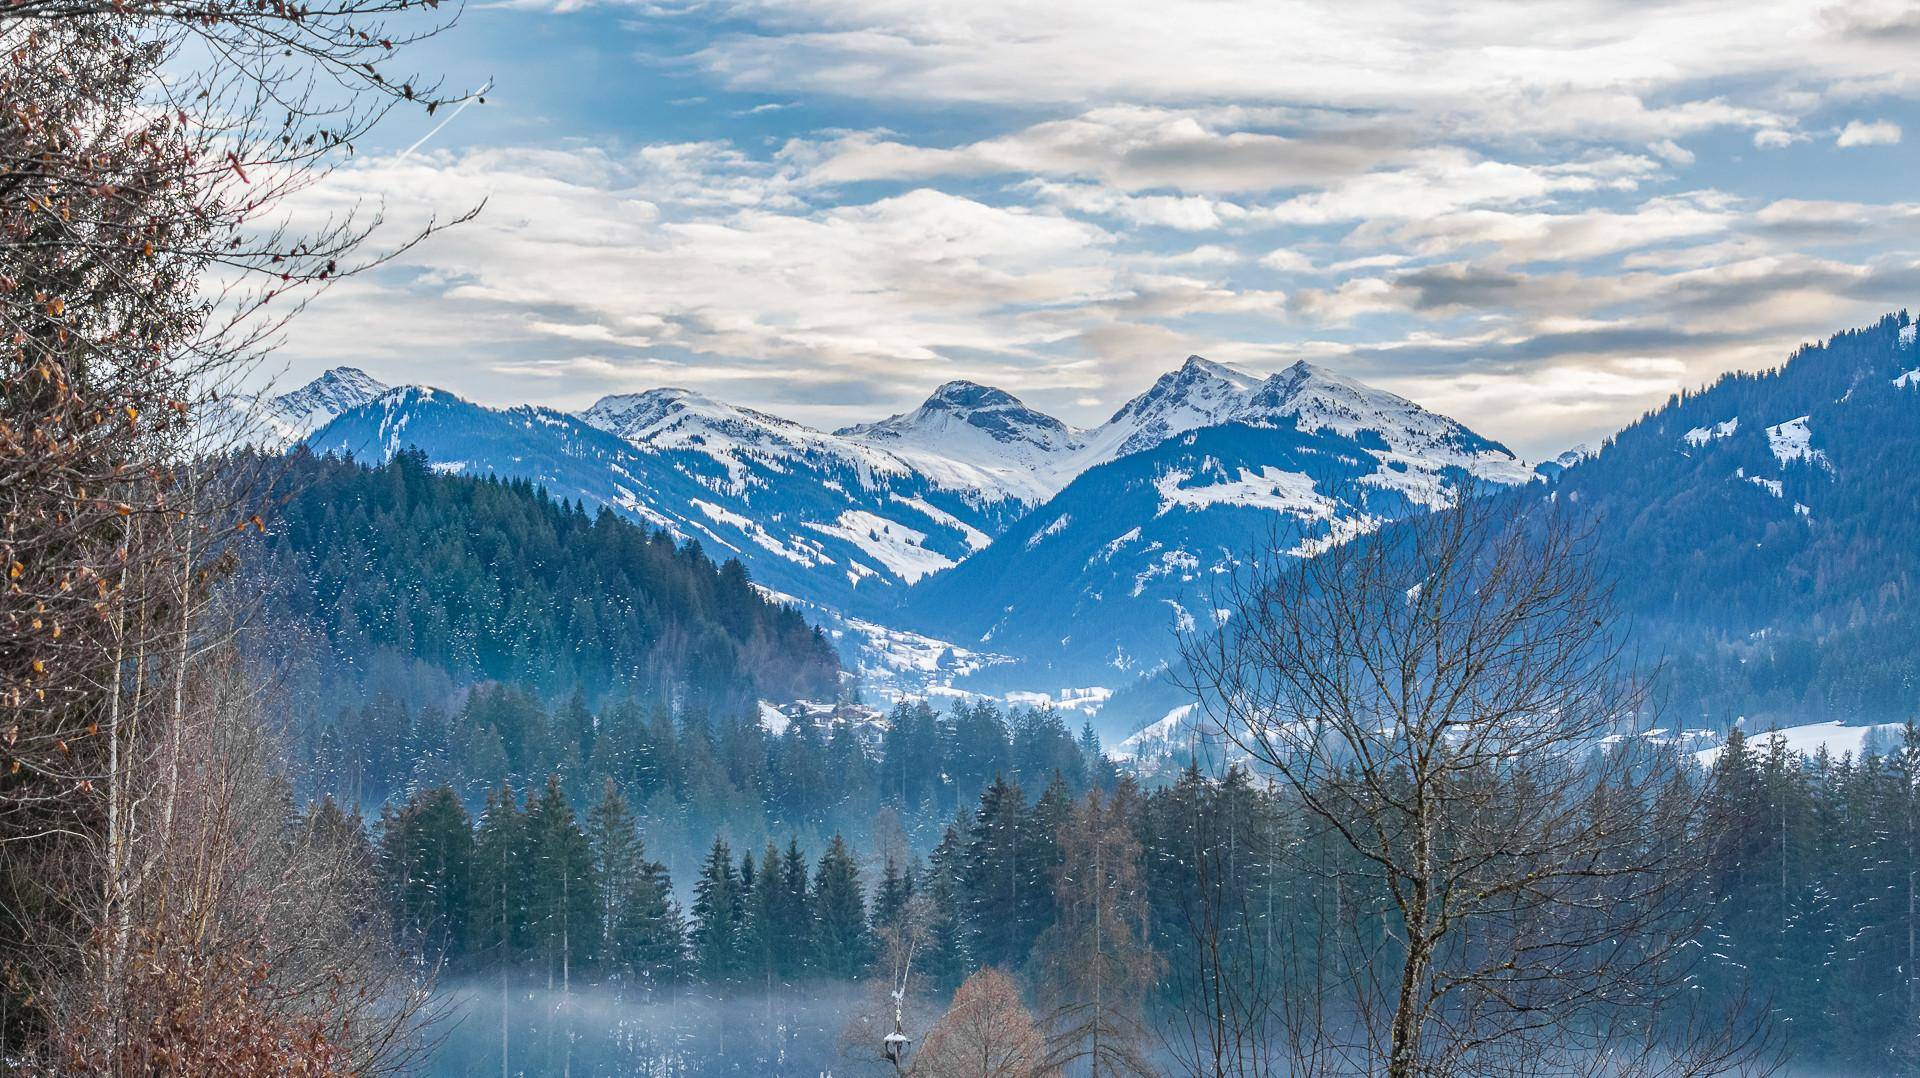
1541 218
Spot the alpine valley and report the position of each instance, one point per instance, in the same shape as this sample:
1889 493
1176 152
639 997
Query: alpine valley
975 545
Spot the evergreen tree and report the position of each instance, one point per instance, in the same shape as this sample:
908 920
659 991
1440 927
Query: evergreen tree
841 942
563 896
760 940
948 959
895 890
643 940
718 909
426 855
793 917
497 917
1000 878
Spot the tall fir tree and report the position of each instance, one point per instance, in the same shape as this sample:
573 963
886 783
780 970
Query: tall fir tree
563 896
426 863
841 941
718 909
643 936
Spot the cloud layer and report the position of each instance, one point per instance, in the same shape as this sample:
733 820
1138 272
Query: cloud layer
1539 218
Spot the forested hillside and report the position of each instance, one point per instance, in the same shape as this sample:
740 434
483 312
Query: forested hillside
1764 536
488 579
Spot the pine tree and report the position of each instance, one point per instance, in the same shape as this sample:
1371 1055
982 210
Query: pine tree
497 918
895 890
999 878
760 941
840 915
426 855
643 936
718 908
564 897
948 959
793 917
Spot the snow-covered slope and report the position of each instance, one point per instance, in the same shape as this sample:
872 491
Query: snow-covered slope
1198 393
975 435
808 513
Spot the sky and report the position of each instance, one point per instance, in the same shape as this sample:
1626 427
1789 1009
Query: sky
1539 218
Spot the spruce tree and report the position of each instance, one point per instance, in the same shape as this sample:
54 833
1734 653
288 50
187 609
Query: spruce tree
426 863
718 908
840 915
793 917
893 892
643 938
497 917
564 893
998 879
760 941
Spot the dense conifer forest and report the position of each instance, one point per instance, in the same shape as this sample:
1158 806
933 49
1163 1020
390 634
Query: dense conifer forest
1806 909
490 580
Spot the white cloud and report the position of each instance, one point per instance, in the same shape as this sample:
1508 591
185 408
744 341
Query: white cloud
1131 148
1526 236
1500 62
1865 133
1672 152
1454 194
623 254
1287 260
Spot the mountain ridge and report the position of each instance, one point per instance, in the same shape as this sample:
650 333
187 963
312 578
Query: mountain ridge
863 520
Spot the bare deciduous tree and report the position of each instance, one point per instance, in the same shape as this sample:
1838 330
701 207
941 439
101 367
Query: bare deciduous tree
1449 698
147 153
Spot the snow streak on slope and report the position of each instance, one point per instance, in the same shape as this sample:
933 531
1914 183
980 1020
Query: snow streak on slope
1700 436
1793 440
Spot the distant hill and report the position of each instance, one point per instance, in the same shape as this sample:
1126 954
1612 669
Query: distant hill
1766 534
489 579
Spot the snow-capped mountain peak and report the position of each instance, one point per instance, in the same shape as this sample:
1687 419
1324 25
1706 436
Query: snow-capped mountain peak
995 412
1198 393
283 419
966 435
669 417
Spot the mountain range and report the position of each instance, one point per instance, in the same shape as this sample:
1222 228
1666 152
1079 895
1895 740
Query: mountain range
973 533
977 543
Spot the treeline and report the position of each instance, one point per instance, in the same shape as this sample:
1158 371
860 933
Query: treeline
490 580
1814 880
535 886
1225 913
691 773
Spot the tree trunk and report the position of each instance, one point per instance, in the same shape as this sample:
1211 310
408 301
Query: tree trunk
1404 1058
